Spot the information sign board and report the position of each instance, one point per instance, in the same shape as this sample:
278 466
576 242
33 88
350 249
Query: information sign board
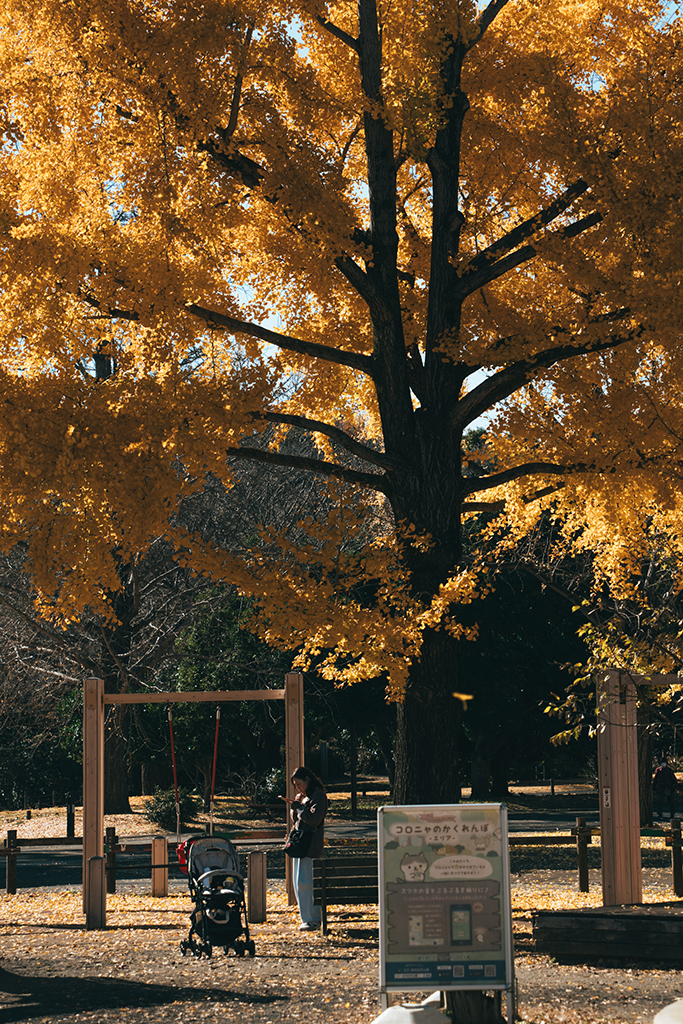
444 893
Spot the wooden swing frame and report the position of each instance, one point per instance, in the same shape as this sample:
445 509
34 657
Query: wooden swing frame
94 702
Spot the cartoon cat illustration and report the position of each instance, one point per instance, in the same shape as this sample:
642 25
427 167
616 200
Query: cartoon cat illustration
414 867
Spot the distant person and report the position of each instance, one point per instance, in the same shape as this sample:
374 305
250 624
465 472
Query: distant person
308 810
664 789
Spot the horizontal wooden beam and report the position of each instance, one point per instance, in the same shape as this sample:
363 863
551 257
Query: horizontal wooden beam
176 697
655 680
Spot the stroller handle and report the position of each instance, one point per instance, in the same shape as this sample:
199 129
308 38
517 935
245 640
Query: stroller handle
220 871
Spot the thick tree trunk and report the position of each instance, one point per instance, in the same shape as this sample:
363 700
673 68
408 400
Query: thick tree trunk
151 779
480 771
428 721
116 762
499 775
385 744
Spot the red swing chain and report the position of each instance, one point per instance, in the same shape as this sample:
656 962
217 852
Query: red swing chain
213 775
175 776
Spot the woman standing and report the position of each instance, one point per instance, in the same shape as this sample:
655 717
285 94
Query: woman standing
308 810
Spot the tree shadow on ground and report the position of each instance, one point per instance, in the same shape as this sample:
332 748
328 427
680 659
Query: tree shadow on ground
71 927
25 997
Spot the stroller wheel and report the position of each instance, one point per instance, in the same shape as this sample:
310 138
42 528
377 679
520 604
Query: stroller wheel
183 947
251 948
208 949
240 947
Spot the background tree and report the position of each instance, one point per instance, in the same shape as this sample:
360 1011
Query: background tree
39 756
219 653
636 628
45 664
332 218
173 630
526 641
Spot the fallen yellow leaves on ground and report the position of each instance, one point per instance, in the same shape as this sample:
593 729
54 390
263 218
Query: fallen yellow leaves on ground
133 970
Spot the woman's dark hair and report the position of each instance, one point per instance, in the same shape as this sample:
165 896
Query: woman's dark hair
312 781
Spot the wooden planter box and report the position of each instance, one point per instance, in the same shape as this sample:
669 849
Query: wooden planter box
652 931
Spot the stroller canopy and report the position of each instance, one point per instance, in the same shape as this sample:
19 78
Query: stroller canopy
213 855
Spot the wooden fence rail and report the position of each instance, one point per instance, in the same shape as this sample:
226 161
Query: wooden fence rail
580 837
268 839
258 840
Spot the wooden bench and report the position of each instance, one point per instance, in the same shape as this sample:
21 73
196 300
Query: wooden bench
344 881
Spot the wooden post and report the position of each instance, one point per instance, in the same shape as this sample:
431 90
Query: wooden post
110 869
93 782
323 894
618 775
354 779
677 856
96 908
294 728
582 838
11 869
256 893
160 866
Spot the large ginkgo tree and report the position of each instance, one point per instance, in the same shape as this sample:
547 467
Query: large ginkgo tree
225 226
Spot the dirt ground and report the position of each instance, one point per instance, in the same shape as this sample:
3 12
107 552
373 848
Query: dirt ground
53 971
56 972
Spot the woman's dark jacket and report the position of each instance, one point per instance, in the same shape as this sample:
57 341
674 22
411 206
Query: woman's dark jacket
309 814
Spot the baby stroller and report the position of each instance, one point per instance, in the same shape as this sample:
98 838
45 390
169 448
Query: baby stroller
217 889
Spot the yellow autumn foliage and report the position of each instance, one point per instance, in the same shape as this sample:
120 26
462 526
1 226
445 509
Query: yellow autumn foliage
371 224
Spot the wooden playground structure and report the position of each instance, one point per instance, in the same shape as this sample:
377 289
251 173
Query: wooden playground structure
617 771
94 702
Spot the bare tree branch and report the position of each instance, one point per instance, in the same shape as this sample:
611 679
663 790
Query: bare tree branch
237 90
339 33
59 638
356 448
506 476
236 163
360 281
471 282
522 231
508 380
483 506
591 616
308 348
376 481
499 506
488 16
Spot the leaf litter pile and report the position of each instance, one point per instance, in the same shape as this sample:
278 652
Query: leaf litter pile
53 970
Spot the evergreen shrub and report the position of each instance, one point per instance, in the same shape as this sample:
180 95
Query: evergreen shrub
160 808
